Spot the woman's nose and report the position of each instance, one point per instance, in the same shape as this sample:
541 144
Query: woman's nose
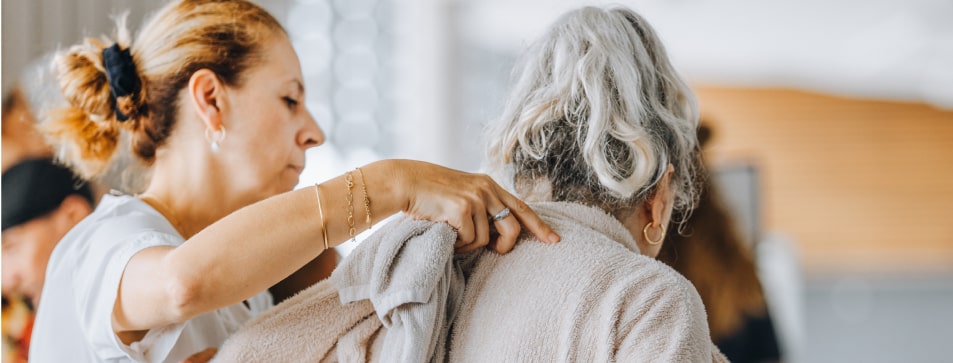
311 135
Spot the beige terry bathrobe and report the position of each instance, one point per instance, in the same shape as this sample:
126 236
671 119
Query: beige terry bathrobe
590 298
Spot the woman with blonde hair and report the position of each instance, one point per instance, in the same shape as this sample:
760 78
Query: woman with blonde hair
176 269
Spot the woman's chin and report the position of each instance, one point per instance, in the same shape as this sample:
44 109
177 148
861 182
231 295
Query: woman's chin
288 182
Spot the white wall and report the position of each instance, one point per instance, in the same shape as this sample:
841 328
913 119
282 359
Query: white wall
884 49
31 28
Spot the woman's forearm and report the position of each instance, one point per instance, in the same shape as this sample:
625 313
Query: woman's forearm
259 245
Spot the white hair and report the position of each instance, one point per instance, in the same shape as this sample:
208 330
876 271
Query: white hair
596 115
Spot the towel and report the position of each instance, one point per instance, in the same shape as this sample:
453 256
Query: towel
308 327
393 296
407 272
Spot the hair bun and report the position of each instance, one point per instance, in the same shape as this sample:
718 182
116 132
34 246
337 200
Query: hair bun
84 133
123 79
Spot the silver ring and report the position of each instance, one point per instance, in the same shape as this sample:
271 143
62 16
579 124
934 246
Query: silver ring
502 214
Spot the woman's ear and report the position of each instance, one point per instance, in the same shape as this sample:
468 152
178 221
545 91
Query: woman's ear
661 201
207 94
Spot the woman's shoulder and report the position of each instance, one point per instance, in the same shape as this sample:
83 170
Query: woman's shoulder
629 270
119 221
590 258
607 262
659 283
126 214
657 301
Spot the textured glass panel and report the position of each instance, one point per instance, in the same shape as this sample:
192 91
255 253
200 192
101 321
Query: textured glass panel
346 52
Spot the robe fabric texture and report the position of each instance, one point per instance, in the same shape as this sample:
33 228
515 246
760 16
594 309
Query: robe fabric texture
402 296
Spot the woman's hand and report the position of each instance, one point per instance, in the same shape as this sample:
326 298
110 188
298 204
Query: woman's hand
468 203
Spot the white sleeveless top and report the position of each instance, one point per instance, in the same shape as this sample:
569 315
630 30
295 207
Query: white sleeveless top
74 319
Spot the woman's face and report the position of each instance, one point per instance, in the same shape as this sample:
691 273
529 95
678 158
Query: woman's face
268 126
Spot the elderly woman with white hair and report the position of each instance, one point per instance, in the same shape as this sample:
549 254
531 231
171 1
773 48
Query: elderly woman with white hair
599 132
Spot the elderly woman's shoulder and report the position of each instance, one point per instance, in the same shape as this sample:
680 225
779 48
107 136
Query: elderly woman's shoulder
653 275
631 270
598 260
645 285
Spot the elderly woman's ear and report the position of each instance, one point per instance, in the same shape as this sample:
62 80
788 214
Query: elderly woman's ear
663 198
649 222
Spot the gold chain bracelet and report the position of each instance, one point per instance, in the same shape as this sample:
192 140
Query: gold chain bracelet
367 200
349 208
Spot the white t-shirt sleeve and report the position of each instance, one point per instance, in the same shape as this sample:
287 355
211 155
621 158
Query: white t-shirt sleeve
97 285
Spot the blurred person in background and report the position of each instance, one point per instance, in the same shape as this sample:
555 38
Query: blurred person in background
711 254
42 201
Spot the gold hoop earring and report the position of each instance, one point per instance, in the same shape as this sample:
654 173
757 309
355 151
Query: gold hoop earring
645 233
215 138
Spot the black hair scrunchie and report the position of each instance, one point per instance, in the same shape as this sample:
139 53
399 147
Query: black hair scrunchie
122 75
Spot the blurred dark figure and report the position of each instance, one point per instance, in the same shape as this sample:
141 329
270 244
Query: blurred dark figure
41 202
712 256
20 141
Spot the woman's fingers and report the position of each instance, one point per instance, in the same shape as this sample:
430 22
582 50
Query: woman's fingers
506 221
481 229
469 203
508 230
506 226
465 228
527 217
481 225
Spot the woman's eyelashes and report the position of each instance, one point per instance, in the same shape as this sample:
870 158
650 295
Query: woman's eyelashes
291 102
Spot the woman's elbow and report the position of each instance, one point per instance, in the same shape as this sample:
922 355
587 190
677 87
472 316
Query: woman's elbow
184 297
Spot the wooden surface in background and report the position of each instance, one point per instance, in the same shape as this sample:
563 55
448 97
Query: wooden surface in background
860 185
